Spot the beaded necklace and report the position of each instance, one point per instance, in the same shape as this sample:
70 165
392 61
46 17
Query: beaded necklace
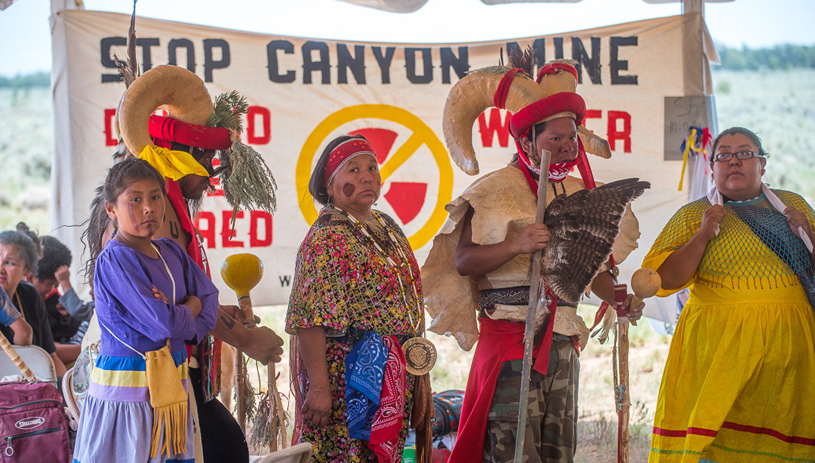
405 262
745 202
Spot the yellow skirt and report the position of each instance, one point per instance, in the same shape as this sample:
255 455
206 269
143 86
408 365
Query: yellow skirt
739 382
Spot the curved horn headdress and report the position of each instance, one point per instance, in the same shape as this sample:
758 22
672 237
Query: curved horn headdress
473 94
175 89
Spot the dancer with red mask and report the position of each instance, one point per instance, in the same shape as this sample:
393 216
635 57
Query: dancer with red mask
480 263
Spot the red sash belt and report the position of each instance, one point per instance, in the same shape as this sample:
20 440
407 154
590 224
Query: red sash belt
499 341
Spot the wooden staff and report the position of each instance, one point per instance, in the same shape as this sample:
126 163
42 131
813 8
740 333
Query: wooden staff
242 272
645 283
622 394
538 288
15 357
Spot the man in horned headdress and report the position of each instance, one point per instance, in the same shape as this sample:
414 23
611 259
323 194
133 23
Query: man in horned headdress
181 146
481 261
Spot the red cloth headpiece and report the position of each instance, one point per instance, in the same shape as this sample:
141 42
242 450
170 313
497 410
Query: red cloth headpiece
342 153
166 130
563 102
553 68
499 100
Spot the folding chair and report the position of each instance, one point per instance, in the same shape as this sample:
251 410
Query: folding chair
299 453
40 363
70 396
76 380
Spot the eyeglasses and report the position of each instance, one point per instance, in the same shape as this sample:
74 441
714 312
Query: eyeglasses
741 155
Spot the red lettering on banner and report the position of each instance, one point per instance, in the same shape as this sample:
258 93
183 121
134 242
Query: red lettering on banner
265 127
227 237
207 232
494 127
593 114
623 134
255 240
110 138
260 229
217 189
110 118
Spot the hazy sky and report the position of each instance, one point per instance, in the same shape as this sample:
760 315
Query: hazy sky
25 41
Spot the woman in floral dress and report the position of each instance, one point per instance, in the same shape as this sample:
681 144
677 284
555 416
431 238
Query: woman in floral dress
356 299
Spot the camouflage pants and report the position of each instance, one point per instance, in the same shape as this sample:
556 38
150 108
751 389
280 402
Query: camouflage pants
551 429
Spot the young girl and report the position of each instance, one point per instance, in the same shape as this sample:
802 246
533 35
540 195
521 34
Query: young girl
149 294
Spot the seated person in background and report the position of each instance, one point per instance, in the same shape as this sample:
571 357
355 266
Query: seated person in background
63 327
10 317
76 307
66 330
19 252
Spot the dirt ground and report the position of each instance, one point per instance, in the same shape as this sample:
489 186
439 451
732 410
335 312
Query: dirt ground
597 427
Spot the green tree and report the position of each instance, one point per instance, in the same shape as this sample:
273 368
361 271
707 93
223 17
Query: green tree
778 57
35 80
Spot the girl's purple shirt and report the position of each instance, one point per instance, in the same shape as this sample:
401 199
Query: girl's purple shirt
125 303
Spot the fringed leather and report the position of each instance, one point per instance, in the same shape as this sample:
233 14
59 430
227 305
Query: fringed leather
172 420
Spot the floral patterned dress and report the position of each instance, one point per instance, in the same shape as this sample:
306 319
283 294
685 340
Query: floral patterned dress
346 285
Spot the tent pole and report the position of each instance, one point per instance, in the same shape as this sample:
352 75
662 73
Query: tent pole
693 6
59 5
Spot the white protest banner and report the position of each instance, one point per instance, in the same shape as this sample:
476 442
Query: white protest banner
303 92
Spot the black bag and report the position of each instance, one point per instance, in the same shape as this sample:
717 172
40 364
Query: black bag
448 412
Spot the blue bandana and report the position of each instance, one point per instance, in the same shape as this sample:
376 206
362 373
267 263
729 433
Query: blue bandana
364 370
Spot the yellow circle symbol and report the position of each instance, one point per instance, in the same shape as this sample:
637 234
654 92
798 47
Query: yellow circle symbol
420 135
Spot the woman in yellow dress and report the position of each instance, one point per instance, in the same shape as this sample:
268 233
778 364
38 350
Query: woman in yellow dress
740 375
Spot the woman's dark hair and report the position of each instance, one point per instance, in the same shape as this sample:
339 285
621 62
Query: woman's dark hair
315 184
119 177
54 255
537 129
738 131
26 241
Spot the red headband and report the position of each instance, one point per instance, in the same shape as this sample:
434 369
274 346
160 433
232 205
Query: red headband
499 100
553 68
562 102
166 130
343 153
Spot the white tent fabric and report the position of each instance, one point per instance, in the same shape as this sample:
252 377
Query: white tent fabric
407 6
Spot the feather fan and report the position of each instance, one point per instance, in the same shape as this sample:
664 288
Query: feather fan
583 227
